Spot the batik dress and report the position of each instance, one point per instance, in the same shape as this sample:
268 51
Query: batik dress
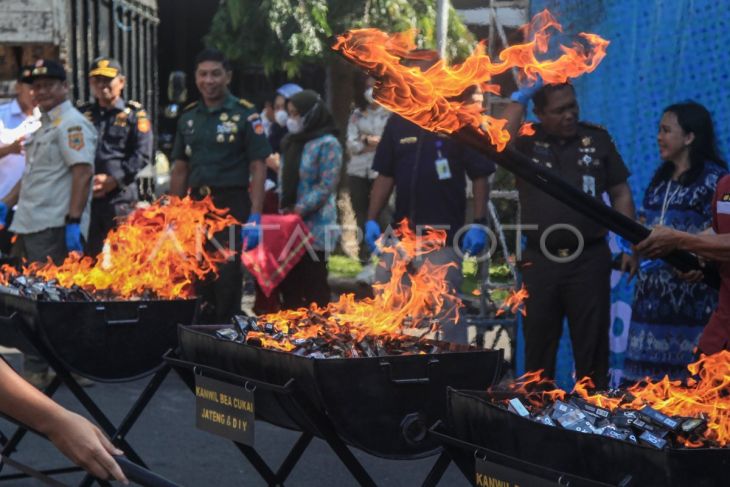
669 313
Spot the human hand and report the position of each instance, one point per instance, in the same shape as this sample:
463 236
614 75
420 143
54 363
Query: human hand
630 264
85 445
475 240
73 238
250 232
372 234
103 184
660 242
525 93
16 147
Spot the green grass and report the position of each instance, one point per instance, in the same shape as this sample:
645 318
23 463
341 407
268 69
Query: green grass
343 266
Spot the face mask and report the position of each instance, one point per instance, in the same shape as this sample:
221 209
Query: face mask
294 125
281 117
369 96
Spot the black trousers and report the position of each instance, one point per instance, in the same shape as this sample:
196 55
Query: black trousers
579 290
306 283
221 295
105 215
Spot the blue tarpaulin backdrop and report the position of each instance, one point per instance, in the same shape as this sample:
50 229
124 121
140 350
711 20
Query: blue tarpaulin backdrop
661 52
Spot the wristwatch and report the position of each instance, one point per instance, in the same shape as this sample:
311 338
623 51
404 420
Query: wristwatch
72 219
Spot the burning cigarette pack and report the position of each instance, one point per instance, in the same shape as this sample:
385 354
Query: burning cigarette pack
663 414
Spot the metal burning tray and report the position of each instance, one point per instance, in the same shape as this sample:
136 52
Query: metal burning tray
107 341
473 418
382 405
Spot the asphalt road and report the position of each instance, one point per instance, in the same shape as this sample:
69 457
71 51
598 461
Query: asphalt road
166 438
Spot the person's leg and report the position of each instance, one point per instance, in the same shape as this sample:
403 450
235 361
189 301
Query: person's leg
587 300
543 322
451 331
360 198
306 283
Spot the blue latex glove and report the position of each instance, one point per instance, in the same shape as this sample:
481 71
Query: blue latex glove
73 238
525 93
3 214
475 240
372 233
250 231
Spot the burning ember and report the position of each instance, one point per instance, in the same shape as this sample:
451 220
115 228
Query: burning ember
658 414
427 98
514 301
373 326
158 252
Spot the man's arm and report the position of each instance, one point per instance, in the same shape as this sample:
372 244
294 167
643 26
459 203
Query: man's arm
72 434
179 178
81 175
14 148
258 178
11 199
664 240
480 188
622 200
382 188
514 113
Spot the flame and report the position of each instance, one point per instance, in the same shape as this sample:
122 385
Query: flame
427 98
157 250
706 394
410 299
514 301
527 129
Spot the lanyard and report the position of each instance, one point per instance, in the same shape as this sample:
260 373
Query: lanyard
667 200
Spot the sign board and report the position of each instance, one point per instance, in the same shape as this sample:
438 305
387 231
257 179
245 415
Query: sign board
489 474
224 410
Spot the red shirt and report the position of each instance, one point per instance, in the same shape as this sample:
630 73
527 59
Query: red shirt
716 335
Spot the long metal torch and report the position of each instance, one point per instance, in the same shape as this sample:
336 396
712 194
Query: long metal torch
521 165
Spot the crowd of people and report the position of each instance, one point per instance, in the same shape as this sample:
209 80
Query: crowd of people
67 176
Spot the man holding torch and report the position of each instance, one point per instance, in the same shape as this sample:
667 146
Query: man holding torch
566 264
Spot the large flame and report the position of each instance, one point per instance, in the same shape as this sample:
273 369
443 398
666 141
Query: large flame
428 98
158 251
410 298
706 394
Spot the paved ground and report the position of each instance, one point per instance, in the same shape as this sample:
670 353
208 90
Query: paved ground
166 438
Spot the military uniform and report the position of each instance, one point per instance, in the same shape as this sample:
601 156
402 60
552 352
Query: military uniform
124 148
563 280
218 145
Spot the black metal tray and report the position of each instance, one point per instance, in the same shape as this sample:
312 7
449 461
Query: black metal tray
382 405
107 341
474 419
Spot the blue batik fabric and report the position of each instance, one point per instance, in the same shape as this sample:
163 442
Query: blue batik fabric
669 313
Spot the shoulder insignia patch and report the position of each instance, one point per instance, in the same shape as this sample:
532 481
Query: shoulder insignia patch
143 124
258 127
245 103
75 138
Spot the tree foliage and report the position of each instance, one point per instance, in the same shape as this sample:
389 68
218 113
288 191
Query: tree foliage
284 34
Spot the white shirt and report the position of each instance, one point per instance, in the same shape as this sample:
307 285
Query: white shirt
13 125
368 122
66 138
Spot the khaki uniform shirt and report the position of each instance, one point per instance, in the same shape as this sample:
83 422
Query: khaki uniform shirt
65 139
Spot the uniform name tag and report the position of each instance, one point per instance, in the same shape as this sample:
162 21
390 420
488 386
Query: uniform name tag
589 185
723 207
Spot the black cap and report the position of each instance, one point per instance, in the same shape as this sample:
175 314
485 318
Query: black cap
105 66
25 73
44 68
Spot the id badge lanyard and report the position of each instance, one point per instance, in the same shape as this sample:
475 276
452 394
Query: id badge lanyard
443 171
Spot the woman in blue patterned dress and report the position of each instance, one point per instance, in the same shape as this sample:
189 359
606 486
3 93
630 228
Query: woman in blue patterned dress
669 312
310 171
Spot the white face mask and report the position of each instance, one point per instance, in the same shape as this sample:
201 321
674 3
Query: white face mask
294 125
369 96
281 117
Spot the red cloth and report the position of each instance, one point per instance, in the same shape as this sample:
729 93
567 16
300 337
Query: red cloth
284 241
716 335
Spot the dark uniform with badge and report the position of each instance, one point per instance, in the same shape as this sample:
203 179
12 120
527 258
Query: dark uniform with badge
430 173
125 147
562 279
218 145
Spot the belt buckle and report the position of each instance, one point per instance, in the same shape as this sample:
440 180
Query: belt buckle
563 252
204 190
